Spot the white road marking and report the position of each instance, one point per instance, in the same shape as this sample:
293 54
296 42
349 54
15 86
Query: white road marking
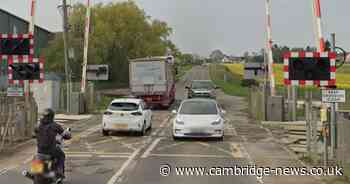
116 176
236 150
217 148
97 153
90 131
250 160
105 141
189 155
151 147
170 146
79 155
3 171
98 156
161 126
28 160
129 146
234 131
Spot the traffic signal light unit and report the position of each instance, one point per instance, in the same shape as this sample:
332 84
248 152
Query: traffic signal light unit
310 68
16 44
25 68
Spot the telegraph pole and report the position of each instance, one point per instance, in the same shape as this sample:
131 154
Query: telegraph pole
65 42
86 47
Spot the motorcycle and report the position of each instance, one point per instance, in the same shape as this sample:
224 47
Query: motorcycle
44 168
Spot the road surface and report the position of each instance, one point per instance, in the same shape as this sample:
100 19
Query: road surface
130 159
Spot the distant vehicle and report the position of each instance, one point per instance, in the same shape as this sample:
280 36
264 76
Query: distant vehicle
127 114
197 118
202 89
153 80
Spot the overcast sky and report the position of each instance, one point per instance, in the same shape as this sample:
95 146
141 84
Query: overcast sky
233 26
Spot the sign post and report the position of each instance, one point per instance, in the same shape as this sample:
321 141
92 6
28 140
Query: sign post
333 96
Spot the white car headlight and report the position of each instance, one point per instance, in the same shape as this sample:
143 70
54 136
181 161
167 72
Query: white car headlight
179 122
216 122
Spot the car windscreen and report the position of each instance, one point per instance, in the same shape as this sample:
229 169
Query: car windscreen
202 85
198 107
123 106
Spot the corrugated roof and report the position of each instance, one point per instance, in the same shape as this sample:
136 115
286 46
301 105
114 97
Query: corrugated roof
11 14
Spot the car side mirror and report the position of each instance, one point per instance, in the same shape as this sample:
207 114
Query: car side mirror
174 111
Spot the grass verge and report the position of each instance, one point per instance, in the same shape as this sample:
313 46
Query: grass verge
227 81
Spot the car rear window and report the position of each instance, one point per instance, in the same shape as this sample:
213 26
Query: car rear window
122 106
198 107
202 85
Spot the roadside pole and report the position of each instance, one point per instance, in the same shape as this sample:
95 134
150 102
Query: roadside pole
333 117
86 48
308 108
324 132
294 103
316 12
65 43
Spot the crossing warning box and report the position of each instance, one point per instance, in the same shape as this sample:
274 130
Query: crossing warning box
333 96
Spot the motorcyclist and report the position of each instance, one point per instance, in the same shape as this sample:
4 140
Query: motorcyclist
46 134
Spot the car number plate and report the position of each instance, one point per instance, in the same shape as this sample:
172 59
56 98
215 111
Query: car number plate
120 126
197 130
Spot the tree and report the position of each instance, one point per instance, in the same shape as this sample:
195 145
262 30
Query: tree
217 55
119 31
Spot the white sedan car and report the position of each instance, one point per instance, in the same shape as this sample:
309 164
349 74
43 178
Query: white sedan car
199 118
127 114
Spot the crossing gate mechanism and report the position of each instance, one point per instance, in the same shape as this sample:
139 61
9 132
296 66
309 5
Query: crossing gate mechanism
310 68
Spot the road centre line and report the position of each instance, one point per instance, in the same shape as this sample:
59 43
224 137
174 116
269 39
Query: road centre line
117 175
151 147
161 126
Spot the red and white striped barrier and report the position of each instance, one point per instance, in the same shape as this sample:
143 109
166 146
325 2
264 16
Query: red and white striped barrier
269 48
18 36
24 59
32 17
317 17
330 55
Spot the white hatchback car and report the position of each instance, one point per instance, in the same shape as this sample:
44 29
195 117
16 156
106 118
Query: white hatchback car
199 118
127 114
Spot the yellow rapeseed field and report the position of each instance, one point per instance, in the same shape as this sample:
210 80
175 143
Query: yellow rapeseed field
342 75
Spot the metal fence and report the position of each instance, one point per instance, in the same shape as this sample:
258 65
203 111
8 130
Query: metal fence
257 103
343 139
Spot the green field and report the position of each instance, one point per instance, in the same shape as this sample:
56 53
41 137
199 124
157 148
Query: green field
232 85
342 74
